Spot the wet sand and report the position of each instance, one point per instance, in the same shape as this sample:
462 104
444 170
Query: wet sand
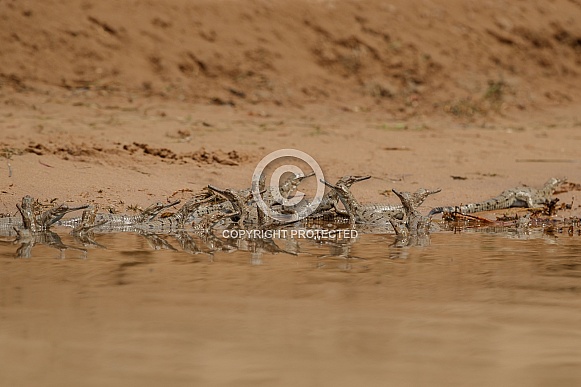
131 155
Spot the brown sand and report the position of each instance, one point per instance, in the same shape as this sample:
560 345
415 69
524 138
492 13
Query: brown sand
128 103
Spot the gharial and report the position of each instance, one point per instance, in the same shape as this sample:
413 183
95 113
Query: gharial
514 197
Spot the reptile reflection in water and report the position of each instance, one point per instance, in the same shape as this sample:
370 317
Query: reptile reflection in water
341 246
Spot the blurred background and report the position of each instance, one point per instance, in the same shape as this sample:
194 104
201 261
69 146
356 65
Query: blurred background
454 57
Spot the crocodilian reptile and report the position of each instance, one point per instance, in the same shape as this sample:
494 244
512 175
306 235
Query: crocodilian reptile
514 197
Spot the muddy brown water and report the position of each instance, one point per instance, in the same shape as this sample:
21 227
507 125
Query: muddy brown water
471 308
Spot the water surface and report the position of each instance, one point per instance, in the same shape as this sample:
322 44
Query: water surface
475 309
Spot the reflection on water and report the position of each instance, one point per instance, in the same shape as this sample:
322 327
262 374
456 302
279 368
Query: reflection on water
470 308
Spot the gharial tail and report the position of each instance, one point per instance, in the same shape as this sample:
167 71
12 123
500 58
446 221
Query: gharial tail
488 205
439 210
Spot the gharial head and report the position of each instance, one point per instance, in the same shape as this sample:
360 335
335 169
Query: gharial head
414 200
349 180
341 188
555 181
232 194
292 182
227 193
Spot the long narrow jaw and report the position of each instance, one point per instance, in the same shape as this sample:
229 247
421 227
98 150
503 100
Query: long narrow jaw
227 193
341 189
216 189
156 208
301 178
403 196
555 181
416 199
61 211
67 209
329 184
295 181
350 180
231 194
